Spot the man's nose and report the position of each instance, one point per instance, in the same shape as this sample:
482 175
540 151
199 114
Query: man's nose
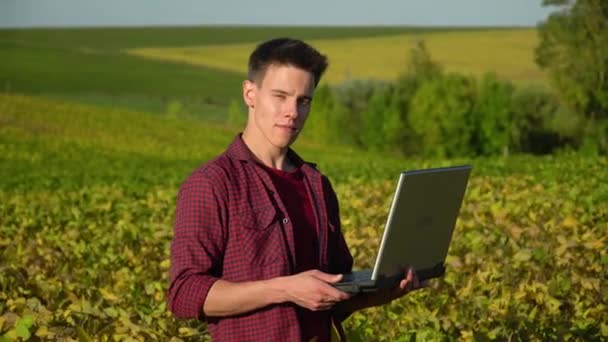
292 109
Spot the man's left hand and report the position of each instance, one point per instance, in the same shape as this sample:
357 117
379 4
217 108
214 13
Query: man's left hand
408 284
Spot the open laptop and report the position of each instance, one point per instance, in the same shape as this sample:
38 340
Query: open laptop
418 230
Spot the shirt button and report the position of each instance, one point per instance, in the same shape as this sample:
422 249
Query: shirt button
285 220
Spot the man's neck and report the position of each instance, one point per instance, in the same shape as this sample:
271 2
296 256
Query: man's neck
266 153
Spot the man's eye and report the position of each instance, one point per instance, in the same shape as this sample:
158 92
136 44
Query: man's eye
305 102
280 96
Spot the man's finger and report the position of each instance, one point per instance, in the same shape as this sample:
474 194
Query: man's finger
338 295
326 277
411 274
408 280
404 283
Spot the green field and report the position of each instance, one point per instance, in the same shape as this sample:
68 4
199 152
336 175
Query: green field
87 198
94 62
508 53
92 155
105 67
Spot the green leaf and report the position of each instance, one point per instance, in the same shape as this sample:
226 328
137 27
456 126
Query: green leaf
22 331
83 336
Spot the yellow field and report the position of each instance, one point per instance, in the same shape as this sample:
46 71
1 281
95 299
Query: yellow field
508 53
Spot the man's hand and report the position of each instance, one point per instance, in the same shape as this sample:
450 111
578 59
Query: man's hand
366 300
406 285
312 290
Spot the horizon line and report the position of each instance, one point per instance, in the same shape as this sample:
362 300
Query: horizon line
228 25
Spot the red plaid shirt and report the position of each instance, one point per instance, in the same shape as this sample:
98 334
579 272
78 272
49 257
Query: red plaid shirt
230 223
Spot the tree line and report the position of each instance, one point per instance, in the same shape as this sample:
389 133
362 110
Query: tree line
430 112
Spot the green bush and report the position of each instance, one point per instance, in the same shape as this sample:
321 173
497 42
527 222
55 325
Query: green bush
355 95
533 109
428 112
373 118
421 66
492 117
394 126
318 122
441 115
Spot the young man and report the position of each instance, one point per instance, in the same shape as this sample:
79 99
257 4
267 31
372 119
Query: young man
257 240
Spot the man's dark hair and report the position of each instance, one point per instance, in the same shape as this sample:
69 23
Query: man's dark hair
286 51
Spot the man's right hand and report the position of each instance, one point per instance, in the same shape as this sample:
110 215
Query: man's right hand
313 290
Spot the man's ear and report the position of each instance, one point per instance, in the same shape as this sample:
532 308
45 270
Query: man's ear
249 93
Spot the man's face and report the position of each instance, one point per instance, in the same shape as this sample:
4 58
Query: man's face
279 104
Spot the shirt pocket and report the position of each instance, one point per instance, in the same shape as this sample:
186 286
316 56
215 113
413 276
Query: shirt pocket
262 240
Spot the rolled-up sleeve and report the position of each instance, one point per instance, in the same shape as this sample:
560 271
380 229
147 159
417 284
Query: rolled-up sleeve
198 244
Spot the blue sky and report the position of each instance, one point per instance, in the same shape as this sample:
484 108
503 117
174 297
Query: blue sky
27 13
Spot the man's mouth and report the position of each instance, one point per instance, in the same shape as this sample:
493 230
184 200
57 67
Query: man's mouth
288 127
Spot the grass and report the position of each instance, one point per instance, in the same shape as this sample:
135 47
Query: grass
56 144
114 39
178 107
93 65
508 53
52 71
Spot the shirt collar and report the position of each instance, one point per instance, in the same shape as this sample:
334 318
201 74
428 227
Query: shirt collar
239 151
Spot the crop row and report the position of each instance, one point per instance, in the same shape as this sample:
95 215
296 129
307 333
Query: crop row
527 261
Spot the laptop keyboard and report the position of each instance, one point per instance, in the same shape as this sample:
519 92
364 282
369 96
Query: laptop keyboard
357 276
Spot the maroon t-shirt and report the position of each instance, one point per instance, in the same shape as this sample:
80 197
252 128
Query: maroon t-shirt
291 189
